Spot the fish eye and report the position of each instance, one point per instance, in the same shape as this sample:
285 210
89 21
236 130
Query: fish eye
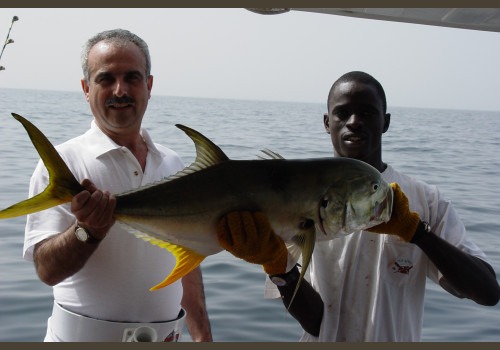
324 202
308 223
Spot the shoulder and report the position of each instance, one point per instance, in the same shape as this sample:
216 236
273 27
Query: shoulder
424 198
78 151
71 145
167 152
69 150
409 184
169 156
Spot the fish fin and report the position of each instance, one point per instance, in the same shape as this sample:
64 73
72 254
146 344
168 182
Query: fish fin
294 251
186 259
305 241
207 152
62 184
271 154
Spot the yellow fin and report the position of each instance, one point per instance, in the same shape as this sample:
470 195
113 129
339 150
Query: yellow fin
186 259
62 184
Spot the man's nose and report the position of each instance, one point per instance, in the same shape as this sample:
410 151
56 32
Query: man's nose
120 88
354 120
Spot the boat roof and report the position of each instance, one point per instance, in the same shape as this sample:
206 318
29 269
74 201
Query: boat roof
485 19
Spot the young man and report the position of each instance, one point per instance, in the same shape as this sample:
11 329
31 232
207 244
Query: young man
101 274
369 286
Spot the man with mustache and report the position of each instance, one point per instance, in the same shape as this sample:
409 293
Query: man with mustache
100 273
369 286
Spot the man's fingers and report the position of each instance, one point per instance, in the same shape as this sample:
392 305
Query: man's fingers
84 204
103 211
89 185
224 233
79 201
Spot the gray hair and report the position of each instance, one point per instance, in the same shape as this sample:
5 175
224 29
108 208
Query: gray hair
118 37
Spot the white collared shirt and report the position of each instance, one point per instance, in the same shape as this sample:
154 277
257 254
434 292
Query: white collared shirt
373 285
114 283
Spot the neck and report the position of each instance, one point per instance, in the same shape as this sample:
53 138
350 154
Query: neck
139 149
134 142
380 167
375 162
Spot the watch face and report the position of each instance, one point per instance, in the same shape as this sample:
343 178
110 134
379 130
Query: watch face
279 281
81 234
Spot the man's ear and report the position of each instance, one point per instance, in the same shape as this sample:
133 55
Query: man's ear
150 85
387 122
326 122
85 88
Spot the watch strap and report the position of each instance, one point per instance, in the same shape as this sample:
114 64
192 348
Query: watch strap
423 228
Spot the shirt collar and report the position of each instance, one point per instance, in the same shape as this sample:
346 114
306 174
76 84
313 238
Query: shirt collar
100 143
388 174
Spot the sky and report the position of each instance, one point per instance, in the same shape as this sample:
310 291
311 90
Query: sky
237 54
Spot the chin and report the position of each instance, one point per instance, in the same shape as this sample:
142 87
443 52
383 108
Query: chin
353 154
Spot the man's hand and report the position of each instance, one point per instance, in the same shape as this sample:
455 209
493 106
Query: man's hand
249 236
403 222
94 209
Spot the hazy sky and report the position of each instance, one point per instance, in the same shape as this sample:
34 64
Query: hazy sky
237 54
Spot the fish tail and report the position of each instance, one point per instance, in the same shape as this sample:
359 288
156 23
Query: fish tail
62 184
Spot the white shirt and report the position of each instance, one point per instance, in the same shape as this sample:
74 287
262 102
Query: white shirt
114 283
373 285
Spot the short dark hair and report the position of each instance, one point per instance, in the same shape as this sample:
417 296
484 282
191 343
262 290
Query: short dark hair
115 36
360 77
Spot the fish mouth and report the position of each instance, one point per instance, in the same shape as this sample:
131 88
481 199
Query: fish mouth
384 205
320 220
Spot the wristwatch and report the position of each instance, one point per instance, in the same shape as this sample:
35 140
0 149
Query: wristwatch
286 279
423 228
83 236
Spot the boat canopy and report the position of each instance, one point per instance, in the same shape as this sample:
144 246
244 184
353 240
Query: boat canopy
486 19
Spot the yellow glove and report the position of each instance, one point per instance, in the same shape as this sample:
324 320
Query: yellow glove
403 222
249 236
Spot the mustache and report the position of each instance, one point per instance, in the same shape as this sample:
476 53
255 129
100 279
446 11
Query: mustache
119 100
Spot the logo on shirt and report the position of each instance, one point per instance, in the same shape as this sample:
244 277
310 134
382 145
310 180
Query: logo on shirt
403 266
172 337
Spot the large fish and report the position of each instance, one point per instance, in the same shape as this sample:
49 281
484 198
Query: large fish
304 200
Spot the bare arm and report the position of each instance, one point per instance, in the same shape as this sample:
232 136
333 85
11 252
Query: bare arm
62 255
193 301
464 275
249 236
307 306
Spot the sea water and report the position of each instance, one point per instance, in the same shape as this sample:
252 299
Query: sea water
456 150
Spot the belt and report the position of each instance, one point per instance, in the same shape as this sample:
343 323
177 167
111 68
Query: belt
67 326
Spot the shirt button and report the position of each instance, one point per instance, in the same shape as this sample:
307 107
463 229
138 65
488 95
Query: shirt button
136 173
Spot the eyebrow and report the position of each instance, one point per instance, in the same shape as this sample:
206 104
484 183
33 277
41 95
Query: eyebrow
366 106
107 74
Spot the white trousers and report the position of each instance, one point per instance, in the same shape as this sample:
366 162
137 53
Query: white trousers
67 326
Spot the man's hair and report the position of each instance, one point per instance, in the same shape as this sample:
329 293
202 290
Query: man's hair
118 37
360 77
